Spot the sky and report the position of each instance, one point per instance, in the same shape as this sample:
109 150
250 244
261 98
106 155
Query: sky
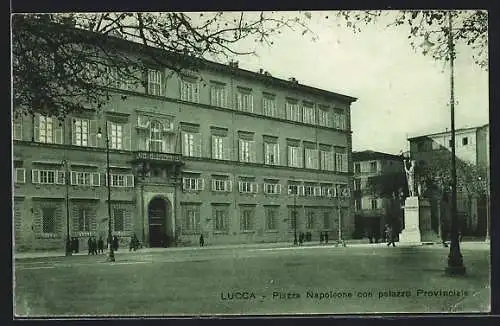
400 92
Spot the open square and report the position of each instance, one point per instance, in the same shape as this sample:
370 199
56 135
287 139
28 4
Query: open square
254 280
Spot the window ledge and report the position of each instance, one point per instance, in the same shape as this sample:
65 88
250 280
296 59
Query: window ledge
272 231
248 231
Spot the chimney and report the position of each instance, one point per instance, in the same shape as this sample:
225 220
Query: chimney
293 80
233 64
261 71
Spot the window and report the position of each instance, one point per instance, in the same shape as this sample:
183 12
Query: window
339 119
17 129
357 204
118 77
310 220
47 177
218 95
48 220
48 130
327 162
221 185
449 143
269 106
293 111
309 190
220 148
309 114
81 132
247 217
271 218
85 178
45 129
271 154
221 218
119 219
465 141
374 203
116 135
323 118
357 184
327 190
272 188
294 156
248 187
192 144
341 162
312 158
244 101
155 137
373 166
326 220
247 151
83 220
189 91
193 184
191 219
295 189
122 180
155 82
20 176
357 168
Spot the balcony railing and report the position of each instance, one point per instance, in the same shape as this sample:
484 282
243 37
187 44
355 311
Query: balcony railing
159 157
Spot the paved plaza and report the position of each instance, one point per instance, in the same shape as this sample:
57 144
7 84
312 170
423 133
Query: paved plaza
255 279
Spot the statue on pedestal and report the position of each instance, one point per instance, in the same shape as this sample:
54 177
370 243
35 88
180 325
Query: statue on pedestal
410 176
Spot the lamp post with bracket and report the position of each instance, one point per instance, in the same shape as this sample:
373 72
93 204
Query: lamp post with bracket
111 253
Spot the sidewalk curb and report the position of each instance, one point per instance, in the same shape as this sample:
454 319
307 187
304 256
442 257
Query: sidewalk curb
53 254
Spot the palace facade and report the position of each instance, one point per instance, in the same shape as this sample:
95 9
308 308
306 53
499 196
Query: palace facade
235 155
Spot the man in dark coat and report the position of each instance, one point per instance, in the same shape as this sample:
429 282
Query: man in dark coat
326 237
89 244
115 243
202 240
100 245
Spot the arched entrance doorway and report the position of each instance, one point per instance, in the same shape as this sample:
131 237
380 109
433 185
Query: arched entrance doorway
158 213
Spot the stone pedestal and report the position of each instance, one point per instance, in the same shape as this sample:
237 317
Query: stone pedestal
417 228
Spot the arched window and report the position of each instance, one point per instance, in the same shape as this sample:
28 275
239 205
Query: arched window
155 137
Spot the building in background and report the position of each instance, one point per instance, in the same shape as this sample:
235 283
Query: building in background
240 157
472 149
378 180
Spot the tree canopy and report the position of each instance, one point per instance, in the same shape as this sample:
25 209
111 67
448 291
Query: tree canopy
59 58
428 29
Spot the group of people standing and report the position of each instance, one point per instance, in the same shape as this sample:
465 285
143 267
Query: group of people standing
97 246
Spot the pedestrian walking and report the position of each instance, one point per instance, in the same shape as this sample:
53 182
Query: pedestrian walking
389 235
115 243
202 240
321 237
301 238
100 245
326 237
89 245
94 245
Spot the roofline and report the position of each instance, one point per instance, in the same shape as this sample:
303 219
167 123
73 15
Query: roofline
224 67
375 155
447 132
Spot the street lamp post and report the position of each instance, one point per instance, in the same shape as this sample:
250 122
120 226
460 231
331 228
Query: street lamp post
111 253
66 181
295 241
455 259
339 196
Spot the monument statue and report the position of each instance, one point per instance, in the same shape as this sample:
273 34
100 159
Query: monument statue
410 177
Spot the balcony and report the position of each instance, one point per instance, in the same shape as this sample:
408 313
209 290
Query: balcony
158 157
